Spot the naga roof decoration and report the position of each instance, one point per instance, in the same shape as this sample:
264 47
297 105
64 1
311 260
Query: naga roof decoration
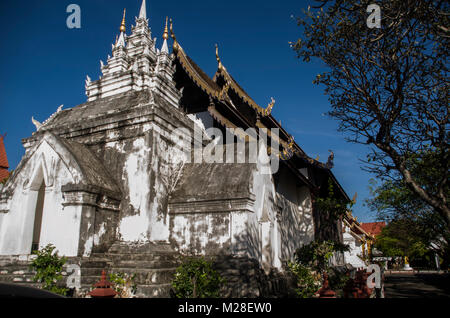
221 69
193 71
210 87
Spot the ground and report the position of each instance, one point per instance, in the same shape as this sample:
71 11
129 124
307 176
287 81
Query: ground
423 285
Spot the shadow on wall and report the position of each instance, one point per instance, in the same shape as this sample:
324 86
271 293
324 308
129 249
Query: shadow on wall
297 224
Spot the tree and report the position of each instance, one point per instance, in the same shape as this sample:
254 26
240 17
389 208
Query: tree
404 238
395 203
388 87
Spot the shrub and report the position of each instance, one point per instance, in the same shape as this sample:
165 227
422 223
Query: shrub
308 281
318 253
196 278
48 266
124 284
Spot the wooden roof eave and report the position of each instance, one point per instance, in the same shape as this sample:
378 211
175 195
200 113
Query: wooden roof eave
192 73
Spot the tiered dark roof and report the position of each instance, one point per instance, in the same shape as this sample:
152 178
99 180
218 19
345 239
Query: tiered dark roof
229 104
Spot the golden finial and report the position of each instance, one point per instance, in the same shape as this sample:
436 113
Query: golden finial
218 58
317 158
166 31
123 27
354 197
172 35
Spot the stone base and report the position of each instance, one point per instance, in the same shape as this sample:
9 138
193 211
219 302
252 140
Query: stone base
407 268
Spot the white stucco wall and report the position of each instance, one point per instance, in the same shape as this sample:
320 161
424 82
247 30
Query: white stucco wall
60 227
351 257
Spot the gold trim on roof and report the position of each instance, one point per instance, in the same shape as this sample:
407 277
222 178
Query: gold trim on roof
268 110
219 62
222 70
190 70
224 91
172 35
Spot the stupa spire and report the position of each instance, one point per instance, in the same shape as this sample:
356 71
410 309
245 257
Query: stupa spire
143 11
123 27
165 48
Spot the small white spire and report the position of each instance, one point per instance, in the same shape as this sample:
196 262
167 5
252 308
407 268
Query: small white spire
165 48
121 40
143 12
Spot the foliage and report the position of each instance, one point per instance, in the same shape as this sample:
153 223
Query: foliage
388 87
196 278
401 238
124 284
335 206
308 281
337 280
311 261
395 202
318 253
48 266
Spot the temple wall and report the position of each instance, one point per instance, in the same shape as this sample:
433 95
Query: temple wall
145 162
296 218
204 233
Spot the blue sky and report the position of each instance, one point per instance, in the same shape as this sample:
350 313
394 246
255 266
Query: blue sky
43 64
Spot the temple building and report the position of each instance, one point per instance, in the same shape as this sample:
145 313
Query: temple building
116 184
358 240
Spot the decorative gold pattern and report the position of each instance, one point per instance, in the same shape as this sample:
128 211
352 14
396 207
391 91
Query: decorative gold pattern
192 73
166 31
224 91
172 35
288 151
123 27
219 62
268 110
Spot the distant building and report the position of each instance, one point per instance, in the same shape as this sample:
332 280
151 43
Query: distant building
373 228
4 165
359 241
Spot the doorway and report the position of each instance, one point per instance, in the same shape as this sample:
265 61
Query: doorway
38 218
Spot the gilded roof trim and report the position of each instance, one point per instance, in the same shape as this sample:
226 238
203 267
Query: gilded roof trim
189 68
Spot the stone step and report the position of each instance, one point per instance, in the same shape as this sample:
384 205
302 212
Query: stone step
95 263
149 276
147 248
90 279
16 271
143 257
154 291
154 264
94 271
16 278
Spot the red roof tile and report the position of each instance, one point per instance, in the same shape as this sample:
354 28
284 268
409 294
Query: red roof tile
3 160
373 228
3 174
